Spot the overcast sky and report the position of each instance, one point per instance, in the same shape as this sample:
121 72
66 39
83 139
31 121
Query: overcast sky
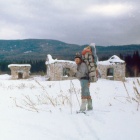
104 22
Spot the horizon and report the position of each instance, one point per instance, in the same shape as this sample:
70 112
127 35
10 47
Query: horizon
66 42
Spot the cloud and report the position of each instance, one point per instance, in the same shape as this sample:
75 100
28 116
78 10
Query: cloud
106 22
8 33
109 9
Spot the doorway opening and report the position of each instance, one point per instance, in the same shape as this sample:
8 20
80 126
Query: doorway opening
20 75
110 73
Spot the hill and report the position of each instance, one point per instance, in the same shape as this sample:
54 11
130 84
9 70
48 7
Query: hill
37 49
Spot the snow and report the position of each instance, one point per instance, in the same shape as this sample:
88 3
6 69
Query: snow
50 60
19 65
35 109
28 52
111 61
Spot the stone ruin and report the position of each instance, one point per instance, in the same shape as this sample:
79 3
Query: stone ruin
59 69
20 71
113 69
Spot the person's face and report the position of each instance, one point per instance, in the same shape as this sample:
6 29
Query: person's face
77 61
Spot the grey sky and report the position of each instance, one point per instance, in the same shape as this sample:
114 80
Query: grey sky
105 22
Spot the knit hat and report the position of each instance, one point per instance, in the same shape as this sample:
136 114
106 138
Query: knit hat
78 55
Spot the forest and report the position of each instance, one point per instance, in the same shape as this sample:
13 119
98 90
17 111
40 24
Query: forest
132 64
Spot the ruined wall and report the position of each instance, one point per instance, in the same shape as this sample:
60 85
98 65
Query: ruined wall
119 71
23 71
55 70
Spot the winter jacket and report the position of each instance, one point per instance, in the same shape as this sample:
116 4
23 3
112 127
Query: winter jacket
82 71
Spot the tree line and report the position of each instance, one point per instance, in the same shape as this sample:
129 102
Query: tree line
39 67
132 64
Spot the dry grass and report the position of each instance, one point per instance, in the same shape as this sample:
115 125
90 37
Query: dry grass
137 93
62 99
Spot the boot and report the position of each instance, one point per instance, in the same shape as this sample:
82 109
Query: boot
89 104
83 105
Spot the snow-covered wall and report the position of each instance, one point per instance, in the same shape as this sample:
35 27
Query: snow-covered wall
55 68
19 71
60 69
116 65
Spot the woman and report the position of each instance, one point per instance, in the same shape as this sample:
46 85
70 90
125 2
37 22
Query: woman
82 75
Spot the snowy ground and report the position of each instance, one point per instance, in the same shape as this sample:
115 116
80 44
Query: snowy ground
36 109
